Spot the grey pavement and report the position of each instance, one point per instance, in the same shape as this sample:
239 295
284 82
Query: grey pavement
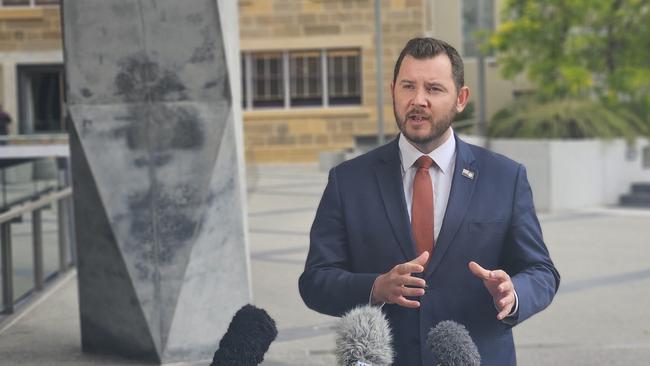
601 316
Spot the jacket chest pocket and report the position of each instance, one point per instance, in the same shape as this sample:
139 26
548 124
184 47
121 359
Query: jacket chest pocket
487 227
486 238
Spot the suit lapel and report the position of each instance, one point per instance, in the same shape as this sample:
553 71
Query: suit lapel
462 188
389 178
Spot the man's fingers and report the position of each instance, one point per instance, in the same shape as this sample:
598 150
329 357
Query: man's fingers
412 291
509 299
505 287
479 271
414 282
499 275
408 268
402 301
391 287
421 259
499 285
504 312
399 294
414 266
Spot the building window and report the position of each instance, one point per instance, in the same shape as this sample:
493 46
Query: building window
40 99
305 71
477 15
344 77
30 3
268 80
302 78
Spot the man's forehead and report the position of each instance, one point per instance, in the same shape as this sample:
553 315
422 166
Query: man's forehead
431 69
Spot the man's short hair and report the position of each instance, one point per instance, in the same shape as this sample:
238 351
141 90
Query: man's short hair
424 48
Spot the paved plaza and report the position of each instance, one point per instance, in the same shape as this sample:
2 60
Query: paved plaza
601 315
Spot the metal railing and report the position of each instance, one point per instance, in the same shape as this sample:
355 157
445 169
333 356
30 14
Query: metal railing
34 186
36 138
62 198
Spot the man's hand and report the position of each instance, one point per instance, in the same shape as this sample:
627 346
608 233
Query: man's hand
500 286
393 287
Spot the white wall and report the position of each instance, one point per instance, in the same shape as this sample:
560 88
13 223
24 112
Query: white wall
534 155
576 174
620 169
573 174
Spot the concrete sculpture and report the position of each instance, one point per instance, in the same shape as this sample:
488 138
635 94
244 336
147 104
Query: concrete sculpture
156 148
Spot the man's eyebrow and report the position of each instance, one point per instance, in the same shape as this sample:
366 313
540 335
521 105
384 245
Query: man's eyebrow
406 81
436 84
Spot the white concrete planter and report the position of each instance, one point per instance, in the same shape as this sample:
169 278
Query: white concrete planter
573 174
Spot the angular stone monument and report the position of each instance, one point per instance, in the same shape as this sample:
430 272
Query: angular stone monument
157 163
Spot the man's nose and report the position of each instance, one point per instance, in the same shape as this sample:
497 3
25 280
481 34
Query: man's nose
420 98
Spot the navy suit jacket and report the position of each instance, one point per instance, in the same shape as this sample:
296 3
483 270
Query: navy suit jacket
362 229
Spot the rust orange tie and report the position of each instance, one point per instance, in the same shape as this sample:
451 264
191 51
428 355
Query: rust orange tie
422 207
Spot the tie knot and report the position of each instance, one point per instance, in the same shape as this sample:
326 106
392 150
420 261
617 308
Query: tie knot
424 161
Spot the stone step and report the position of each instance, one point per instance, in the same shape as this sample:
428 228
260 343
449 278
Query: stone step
635 200
641 187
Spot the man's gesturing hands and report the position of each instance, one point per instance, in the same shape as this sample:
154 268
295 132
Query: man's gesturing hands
393 287
500 286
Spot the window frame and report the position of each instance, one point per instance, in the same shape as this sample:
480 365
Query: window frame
274 86
25 73
323 83
305 73
347 97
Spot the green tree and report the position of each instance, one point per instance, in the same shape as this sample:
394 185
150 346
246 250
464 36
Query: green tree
596 51
567 118
577 47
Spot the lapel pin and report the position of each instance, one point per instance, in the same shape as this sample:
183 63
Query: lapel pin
468 174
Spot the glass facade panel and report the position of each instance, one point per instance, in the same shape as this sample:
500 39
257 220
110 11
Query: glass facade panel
50 227
23 256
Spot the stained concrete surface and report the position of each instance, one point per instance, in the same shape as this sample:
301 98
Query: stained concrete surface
158 198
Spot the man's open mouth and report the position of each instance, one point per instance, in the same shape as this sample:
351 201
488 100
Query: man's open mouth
418 117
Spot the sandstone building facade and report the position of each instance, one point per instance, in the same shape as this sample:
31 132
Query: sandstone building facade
308 68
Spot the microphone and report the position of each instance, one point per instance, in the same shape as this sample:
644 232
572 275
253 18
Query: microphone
452 345
249 336
363 338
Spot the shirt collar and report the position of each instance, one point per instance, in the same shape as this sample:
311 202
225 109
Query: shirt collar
443 156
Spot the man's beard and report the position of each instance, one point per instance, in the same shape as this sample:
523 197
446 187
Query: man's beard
439 125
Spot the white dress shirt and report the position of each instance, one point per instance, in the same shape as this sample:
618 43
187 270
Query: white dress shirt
441 174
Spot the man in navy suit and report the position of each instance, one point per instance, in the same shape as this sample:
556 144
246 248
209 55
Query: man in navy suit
431 227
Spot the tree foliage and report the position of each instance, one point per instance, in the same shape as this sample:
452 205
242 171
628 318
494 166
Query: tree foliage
589 51
567 118
577 47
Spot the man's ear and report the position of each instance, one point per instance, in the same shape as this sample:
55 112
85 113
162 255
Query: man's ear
392 89
462 99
